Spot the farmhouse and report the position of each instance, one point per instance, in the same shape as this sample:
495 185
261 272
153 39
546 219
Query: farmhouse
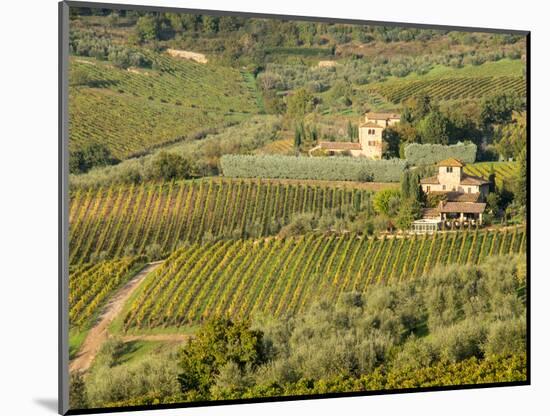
461 202
370 137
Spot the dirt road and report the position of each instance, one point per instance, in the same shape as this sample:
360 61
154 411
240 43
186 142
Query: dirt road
98 334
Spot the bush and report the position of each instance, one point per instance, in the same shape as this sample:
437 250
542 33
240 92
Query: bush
91 155
168 166
430 154
298 167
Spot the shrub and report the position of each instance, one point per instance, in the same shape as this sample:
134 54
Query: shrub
298 167
170 166
430 154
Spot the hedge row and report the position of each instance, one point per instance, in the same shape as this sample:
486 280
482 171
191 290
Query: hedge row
322 168
430 154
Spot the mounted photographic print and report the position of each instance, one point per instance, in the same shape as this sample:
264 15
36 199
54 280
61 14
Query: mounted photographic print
265 208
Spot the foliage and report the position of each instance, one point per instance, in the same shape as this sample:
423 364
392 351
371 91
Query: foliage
430 154
289 167
498 108
299 103
511 138
282 276
150 380
107 221
204 148
168 166
90 285
78 397
434 128
90 156
218 343
386 201
522 179
79 77
147 28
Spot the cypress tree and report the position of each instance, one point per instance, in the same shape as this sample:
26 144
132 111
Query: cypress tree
405 185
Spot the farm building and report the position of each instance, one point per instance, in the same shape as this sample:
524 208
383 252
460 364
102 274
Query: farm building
451 178
370 137
461 195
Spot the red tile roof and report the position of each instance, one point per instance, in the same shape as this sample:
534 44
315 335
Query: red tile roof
430 213
370 124
472 180
432 180
464 207
458 196
466 180
451 162
340 146
382 116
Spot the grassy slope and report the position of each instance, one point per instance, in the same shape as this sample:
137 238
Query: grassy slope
446 83
133 111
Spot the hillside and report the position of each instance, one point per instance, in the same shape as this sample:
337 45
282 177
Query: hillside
136 109
284 276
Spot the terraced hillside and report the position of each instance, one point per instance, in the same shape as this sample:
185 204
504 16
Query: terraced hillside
504 171
449 88
132 110
120 220
282 276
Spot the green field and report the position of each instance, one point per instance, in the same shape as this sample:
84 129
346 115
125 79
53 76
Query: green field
90 285
504 171
449 88
277 147
445 83
134 110
121 220
283 276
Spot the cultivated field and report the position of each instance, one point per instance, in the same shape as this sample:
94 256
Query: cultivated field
134 110
91 284
283 276
504 171
449 88
126 220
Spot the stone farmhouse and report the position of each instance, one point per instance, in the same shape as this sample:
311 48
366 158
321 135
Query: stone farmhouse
371 141
462 198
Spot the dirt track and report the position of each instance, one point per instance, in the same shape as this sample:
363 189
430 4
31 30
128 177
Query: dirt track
98 334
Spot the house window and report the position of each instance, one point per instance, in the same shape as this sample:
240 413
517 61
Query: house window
444 187
428 188
449 169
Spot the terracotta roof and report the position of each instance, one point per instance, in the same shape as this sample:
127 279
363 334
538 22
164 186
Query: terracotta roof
370 124
464 207
472 180
340 146
382 116
430 213
432 180
458 196
451 162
